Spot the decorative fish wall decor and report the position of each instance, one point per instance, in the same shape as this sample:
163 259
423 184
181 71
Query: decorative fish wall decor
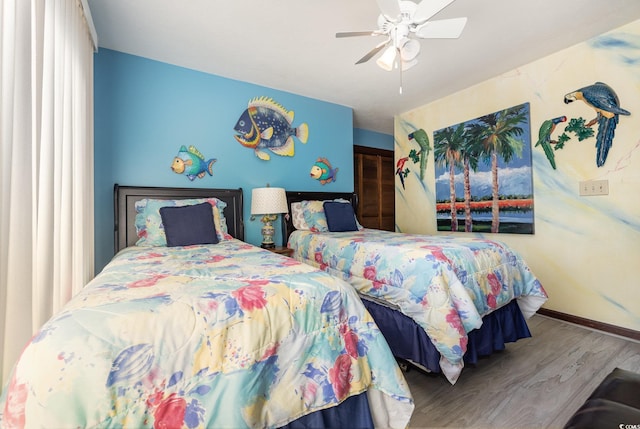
192 163
323 171
266 124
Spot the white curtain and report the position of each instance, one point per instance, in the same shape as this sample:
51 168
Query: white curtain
46 164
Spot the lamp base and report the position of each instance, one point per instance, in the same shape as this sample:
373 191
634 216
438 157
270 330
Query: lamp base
268 231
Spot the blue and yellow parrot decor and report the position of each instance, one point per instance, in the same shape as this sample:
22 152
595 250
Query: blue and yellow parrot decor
603 99
544 137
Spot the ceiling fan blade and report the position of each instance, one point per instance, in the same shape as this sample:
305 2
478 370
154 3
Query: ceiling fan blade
357 33
372 52
390 9
427 8
442 29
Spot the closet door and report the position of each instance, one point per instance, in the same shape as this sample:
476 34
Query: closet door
375 186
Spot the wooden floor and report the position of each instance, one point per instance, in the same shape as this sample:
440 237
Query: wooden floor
538 382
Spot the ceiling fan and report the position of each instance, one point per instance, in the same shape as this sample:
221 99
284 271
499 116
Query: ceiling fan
401 22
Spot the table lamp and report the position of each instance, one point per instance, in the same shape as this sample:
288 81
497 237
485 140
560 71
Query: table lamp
268 202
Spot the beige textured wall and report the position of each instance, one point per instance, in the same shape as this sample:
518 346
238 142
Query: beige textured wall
585 250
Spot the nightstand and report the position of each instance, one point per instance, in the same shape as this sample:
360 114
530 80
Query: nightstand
281 250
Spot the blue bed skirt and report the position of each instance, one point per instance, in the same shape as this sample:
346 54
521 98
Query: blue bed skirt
409 341
504 325
353 412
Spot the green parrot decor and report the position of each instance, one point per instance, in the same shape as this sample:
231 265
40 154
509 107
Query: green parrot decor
421 137
576 126
544 138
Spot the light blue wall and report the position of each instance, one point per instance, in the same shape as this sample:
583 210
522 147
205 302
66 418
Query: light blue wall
362 137
145 110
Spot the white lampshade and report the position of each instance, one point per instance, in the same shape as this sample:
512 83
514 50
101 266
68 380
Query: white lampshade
387 58
410 49
406 65
268 201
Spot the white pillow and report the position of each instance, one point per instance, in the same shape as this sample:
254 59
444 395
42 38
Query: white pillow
297 216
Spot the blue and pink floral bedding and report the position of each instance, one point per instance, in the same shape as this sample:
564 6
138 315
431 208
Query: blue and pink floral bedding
206 336
445 283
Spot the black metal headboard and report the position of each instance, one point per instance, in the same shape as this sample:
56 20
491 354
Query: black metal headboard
297 196
125 198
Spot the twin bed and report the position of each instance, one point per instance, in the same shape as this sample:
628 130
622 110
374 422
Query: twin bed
210 335
226 334
440 300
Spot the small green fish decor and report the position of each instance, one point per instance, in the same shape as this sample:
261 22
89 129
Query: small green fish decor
323 171
266 124
191 163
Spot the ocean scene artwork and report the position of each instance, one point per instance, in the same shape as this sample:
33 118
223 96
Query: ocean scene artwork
483 172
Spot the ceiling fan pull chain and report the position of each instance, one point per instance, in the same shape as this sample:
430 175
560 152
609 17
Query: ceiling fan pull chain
400 80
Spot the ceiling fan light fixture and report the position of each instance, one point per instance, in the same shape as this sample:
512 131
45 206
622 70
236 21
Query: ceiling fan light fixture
406 65
404 23
386 60
410 49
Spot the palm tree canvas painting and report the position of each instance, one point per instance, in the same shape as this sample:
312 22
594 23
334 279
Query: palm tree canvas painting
483 174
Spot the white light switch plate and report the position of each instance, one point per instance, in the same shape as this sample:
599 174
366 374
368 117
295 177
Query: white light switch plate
594 187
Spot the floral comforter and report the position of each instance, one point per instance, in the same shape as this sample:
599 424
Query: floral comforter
225 335
445 283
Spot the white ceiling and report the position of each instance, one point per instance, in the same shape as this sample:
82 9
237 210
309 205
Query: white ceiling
290 45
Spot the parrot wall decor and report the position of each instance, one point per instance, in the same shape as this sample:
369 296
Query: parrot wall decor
603 99
549 145
421 137
544 137
401 170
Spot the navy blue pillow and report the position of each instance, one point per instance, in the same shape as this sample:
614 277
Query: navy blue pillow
340 216
187 225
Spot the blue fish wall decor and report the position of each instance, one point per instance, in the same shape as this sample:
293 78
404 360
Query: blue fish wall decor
191 163
323 171
266 124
